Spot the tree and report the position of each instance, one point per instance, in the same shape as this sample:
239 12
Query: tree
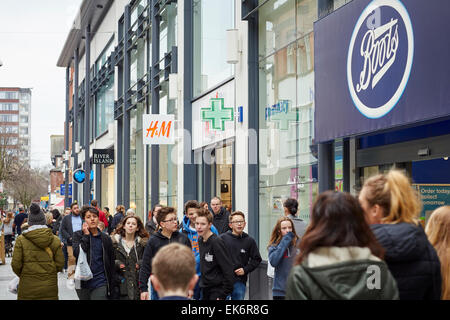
27 184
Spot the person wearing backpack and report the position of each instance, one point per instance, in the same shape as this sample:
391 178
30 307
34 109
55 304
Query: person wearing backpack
37 259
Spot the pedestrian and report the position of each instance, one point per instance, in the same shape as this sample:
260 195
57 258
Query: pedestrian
244 253
438 232
70 224
57 224
129 241
49 219
37 259
282 251
130 212
215 265
204 205
220 214
290 210
102 215
191 208
67 211
174 273
101 226
19 219
118 216
150 226
100 257
337 254
7 229
109 218
392 208
168 233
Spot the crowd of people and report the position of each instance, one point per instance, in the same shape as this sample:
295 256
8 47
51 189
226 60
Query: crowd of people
368 247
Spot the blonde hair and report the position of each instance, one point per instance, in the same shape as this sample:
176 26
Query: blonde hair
393 192
48 217
438 232
174 266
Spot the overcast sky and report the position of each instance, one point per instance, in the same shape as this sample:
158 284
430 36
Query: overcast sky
32 35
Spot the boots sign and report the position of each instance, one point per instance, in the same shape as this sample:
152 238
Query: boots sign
103 156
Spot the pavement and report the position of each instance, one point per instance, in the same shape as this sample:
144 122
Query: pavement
65 291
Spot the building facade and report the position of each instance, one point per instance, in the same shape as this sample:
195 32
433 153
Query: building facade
241 79
15 121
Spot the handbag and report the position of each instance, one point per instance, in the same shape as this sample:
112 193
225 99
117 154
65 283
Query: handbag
82 270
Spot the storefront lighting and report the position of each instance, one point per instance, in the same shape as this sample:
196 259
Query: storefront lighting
233 46
445 158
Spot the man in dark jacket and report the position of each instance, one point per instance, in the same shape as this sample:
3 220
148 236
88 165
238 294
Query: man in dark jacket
220 214
244 253
18 220
411 259
70 224
150 226
118 216
167 220
217 270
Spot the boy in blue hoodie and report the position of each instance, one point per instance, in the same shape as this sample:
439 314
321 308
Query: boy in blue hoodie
188 228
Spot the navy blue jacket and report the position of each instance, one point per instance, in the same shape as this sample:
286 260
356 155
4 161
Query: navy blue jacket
411 259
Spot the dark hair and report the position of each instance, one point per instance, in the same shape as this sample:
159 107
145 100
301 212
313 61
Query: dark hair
107 209
55 213
94 203
91 209
163 213
72 204
140 227
337 220
292 205
202 212
191 204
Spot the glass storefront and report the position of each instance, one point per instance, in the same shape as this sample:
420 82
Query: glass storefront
104 108
288 168
137 176
211 20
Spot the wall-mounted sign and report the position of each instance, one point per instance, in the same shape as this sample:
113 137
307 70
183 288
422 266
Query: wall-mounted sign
62 189
379 65
217 113
213 116
79 176
158 128
103 156
433 197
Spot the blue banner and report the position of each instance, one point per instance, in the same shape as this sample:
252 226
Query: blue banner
379 65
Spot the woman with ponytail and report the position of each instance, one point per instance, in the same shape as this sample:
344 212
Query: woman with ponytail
392 208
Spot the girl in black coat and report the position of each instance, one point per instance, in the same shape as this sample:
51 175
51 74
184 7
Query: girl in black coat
129 241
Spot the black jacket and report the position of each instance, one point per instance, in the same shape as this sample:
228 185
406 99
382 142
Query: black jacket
156 242
215 265
80 239
57 225
128 277
411 259
244 253
65 230
150 226
221 220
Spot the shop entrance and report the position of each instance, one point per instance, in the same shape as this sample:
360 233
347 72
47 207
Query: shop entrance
216 176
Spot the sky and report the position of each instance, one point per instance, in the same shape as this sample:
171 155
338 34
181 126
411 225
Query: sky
32 36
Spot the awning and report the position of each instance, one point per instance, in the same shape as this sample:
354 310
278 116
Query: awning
60 204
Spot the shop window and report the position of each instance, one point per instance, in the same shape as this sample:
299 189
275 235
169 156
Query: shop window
105 107
211 20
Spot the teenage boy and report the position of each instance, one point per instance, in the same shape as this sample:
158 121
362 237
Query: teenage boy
244 253
70 224
174 272
188 228
217 270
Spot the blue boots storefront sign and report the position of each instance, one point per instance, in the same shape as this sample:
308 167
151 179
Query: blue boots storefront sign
380 57
379 65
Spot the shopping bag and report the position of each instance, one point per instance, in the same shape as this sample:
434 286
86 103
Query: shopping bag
270 270
82 270
13 285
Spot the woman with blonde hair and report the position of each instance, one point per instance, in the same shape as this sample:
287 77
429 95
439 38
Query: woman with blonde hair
392 208
282 251
7 228
438 232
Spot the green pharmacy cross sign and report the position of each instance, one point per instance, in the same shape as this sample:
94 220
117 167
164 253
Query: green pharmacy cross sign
280 112
217 114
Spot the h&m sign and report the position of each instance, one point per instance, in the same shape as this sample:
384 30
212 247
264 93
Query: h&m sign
103 156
